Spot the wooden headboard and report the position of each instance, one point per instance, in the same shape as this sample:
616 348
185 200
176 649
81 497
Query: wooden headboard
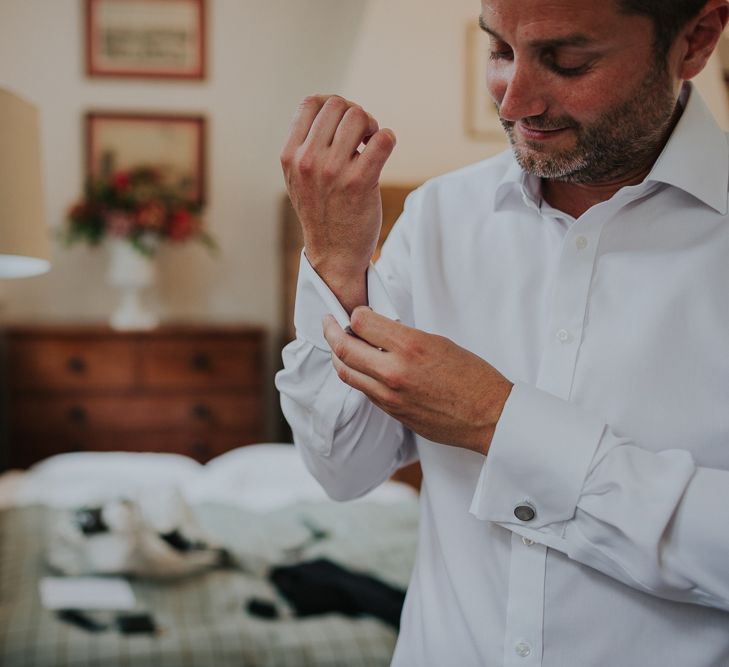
292 241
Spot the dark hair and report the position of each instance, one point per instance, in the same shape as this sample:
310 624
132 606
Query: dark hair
668 17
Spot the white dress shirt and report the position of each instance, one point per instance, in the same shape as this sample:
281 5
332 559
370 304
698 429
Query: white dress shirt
596 531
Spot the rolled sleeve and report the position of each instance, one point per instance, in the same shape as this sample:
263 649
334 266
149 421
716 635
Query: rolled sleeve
538 461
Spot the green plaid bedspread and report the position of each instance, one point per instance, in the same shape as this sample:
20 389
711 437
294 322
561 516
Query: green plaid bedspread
202 619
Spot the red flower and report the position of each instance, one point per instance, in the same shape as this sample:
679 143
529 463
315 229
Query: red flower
121 181
182 225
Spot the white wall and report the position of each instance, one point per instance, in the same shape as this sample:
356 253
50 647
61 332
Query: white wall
263 57
408 68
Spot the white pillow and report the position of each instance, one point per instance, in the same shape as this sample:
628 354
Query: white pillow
81 478
269 476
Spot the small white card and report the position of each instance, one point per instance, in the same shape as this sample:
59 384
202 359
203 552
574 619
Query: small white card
86 593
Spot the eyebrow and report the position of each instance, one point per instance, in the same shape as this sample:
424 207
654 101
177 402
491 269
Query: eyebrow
574 39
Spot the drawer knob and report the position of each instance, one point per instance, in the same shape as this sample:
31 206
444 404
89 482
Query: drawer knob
202 411
76 365
200 362
77 414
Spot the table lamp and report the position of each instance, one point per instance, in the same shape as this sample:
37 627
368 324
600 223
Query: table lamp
24 243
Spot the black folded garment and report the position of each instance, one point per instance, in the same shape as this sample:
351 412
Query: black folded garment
321 587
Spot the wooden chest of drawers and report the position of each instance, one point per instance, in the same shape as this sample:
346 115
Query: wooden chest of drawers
189 390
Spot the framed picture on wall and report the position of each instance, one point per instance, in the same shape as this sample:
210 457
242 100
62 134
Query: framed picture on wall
723 49
481 117
146 38
172 145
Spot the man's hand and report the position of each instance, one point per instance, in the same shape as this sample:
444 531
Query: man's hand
434 387
334 188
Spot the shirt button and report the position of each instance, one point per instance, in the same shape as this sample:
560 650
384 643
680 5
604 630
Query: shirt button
526 541
581 242
563 335
524 512
523 649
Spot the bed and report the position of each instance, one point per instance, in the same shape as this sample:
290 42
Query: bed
256 500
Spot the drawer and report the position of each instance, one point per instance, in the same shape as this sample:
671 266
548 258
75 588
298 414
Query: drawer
29 448
194 364
48 364
191 412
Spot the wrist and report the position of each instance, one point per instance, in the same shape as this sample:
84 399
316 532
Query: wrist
498 398
348 284
337 266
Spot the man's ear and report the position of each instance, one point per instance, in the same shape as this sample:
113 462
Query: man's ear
698 38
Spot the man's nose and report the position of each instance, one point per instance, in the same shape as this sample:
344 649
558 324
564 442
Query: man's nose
521 93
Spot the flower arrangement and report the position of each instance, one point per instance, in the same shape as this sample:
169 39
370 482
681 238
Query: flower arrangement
137 206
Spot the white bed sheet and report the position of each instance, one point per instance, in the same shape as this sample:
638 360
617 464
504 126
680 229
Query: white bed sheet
258 478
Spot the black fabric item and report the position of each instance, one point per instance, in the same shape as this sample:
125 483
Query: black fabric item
81 620
321 587
262 608
180 542
90 520
131 624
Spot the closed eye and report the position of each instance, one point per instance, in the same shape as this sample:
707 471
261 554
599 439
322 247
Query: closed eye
552 61
500 55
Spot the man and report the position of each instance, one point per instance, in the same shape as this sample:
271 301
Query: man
561 361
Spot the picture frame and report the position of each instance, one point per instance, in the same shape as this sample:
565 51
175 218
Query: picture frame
163 39
172 144
481 117
723 50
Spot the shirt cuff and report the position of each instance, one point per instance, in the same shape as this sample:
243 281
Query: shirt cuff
314 300
538 460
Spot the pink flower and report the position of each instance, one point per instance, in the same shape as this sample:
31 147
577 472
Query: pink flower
119 223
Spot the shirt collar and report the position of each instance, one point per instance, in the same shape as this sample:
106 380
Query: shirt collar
517 188
695 159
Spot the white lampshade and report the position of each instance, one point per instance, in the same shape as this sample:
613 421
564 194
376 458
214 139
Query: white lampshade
24 245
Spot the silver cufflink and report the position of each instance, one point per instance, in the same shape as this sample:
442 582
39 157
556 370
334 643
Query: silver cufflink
524 512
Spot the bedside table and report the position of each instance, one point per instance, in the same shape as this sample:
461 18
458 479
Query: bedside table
194 390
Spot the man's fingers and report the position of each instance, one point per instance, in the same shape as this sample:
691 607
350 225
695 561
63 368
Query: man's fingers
331 121
378 330
327 121
356 354
378 149
356 379
301 123
357 126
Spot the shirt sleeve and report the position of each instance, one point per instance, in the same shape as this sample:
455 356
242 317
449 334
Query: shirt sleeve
655 521
349 445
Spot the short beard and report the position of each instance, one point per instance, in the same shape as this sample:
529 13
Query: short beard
625 139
